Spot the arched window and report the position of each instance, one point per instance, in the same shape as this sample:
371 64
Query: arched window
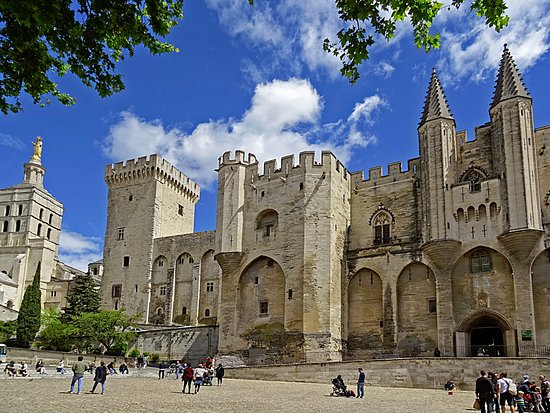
382 229
5 226
160 311
460 215
184 311
17 226
49 233
41 214
480 261
267 222
9 304
39 230
20 212
474 178
7 211
207 312
493 210
50 220
482 211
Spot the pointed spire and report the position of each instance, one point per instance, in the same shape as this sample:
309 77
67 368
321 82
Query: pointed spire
435 104
509 83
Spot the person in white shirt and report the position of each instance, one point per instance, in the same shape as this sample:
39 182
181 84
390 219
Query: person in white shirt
199 373
504 395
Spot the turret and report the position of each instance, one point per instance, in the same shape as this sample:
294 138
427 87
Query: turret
437 142
512 134
229 218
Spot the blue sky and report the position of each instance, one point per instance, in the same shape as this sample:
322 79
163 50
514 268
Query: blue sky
257 79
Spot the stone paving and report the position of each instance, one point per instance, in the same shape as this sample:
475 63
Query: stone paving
143 392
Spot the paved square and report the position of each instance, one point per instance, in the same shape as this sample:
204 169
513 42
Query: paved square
147 394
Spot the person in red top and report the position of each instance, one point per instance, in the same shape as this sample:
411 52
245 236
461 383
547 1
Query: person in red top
187 377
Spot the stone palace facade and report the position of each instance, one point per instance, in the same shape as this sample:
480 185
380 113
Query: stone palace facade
311 262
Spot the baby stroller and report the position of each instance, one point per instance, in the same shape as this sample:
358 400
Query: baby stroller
207 379
338 388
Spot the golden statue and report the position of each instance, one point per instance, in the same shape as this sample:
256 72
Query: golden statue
37 155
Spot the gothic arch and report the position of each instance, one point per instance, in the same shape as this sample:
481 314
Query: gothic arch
416 310
482 279
484 313
471 172
159 271
209 287
183 288
261 295
540 286
365 310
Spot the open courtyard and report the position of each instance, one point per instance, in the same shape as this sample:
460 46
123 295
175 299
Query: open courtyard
148 394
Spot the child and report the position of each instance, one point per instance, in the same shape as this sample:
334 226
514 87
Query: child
537 401
520 402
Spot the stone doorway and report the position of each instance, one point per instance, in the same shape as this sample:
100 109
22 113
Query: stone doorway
487 339
485 333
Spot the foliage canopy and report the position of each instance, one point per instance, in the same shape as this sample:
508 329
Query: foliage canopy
364 19
42 40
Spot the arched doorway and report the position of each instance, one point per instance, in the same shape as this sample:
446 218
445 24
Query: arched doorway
485 333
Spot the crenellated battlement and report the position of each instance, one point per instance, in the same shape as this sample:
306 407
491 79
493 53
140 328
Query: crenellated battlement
376 176
239 158
306 163
149 168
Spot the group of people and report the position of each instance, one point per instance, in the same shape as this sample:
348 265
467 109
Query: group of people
494 393
12 371
339 388
203 374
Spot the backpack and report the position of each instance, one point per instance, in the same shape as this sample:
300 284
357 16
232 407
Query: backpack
512 388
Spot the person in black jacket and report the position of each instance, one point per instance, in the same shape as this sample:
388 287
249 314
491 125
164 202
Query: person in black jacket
485 392
220 373
100 377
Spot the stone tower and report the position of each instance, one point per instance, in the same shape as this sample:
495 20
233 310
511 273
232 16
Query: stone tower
30 226
282 236
437 142
148 198
514 147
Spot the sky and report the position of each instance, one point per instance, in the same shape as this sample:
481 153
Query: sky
257 79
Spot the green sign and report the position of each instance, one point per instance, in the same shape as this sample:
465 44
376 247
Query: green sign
526 335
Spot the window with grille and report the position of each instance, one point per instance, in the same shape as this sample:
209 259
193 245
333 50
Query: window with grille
162 290
480 261
209 286
264 307
116 290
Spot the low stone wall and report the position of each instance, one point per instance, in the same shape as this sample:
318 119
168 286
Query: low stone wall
188 343
51 358
429 373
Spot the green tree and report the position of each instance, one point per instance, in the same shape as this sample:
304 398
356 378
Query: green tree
55 334
42 40
7 330
82 298
110 328
28 320
364 19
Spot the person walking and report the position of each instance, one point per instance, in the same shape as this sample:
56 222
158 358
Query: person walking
485 392
545 392
100 377
199 374
361 384
78 368
187 377
504 395
162 368
220 372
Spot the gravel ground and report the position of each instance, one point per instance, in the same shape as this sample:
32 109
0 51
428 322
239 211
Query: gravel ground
131 394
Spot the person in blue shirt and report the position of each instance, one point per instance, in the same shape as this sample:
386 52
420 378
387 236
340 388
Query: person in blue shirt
361 383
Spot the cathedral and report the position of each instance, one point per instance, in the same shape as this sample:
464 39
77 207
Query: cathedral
311 262
30 227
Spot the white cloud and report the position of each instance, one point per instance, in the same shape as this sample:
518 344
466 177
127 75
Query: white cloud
11 142
282 119
383 69
473 50
291 31
78 250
